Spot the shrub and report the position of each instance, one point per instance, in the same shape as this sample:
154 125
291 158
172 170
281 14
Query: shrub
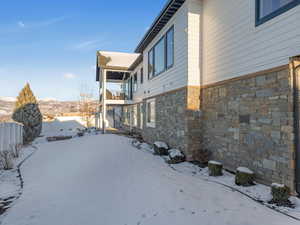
28 113
6 160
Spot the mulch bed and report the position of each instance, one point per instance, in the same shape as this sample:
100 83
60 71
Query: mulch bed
58 138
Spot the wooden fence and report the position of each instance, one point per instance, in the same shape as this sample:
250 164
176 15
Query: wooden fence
11 134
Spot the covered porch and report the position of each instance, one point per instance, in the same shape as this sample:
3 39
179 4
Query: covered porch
115 86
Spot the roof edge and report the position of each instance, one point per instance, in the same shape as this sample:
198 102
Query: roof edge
154 29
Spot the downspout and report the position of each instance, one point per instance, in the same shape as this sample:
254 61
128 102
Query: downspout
296 105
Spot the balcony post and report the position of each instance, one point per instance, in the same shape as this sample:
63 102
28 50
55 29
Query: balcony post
104 101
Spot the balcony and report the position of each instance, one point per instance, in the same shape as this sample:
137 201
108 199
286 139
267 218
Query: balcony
113 74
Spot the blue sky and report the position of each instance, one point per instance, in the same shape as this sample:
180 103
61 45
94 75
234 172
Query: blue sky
52 44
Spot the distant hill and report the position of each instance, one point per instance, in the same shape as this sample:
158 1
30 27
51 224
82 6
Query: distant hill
47 106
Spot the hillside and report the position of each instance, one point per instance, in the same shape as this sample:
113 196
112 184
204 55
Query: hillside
47 107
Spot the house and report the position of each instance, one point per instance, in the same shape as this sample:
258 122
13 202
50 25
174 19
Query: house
216 75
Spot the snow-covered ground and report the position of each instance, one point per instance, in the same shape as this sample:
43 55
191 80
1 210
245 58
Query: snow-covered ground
103 179
62 126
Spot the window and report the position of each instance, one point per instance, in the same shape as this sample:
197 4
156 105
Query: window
150 64
151 113
142 75
135 82
126 116
134 117
141 115
161 56
268 9
170 48
129 89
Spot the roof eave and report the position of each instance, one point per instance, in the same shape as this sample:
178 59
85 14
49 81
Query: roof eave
161 20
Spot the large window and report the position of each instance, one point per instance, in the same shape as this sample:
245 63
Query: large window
151 113
161 56
268 9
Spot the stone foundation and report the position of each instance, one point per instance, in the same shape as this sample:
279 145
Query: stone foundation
242 122
249 122
177 120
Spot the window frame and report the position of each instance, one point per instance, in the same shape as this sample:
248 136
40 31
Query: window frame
152 50
134 116
163 39
150 123
166 54
283 9
141 108
135 82
150 74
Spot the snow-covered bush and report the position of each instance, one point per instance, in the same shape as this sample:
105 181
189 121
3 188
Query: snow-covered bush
244 177
160 148
215 168
15 150
175 156
6 160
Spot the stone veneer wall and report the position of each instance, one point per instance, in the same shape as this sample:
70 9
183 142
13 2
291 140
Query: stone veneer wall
249 122
170 121
177 120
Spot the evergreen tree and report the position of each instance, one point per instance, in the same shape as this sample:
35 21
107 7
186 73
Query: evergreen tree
25 97
28 113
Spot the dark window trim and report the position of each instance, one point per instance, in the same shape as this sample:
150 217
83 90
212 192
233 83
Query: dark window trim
153 75
142 75
259 21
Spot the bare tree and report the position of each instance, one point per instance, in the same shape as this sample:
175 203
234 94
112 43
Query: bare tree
87 106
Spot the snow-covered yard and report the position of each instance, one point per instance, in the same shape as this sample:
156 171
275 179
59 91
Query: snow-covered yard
103 179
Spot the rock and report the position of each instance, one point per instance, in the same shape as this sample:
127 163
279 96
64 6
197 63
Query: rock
160 148
80 133
215 168
244 177
136 144
175 156
280 194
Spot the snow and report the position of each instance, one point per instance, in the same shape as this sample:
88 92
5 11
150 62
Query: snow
66 127
215 163
244 170
277 185
161 144
9 180
103 179
175 153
